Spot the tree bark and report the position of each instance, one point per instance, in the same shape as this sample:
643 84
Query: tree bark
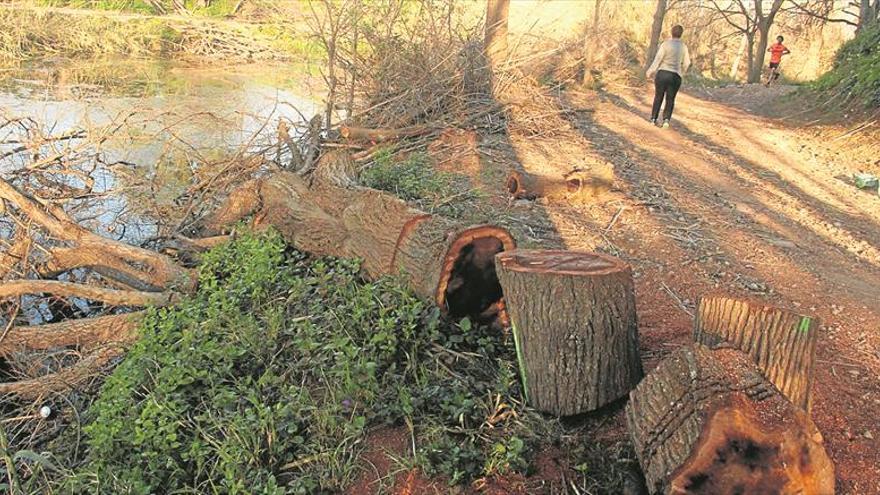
868 11
757 66
578 186
781 343
574 322
656 32
85 333
442 260
707 422
495 42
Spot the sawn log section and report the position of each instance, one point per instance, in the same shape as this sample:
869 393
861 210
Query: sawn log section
574 321
708 422
441 259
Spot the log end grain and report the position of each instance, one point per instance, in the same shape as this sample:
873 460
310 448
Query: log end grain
707 421
743 449
561 262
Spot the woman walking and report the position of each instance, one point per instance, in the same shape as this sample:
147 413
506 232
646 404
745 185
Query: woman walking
670 64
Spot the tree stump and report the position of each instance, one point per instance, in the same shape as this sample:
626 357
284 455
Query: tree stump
574 322
781 343
708 422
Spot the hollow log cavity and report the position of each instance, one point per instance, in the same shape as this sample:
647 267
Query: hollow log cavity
708 422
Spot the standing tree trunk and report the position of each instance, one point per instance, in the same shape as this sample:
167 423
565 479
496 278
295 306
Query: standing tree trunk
496 32
734 69
760 51
707 422
781 343
574 322
868 11
591 44
656 32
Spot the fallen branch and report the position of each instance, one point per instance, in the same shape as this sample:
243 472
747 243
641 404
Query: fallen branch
85 333
380 135
16 288
67 378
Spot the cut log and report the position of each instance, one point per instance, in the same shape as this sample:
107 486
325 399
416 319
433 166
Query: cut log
574 322
708 422
442 260
781 343
380 135
578 185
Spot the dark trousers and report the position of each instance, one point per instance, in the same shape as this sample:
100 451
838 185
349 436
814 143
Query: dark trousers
666 84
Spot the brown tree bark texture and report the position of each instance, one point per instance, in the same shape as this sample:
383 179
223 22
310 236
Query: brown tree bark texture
581 186
781 343
708 422
574 322
85 333
442 260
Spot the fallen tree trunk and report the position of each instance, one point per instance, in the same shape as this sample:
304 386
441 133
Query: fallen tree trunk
708 422
379 135
441 260
577 185
574 321
781 343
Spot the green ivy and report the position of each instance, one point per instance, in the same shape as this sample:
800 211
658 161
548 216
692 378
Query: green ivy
268 379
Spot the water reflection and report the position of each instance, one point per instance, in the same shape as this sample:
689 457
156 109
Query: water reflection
167 122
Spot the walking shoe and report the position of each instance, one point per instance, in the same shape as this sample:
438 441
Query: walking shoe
653 122
666 123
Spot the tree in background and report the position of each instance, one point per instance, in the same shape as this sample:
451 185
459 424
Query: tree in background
752 19
497 12
829 11
660 11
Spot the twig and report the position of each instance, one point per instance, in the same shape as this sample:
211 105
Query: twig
613 220
676 298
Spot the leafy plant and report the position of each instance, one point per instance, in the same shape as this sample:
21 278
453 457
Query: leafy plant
268 379
856 71
415 179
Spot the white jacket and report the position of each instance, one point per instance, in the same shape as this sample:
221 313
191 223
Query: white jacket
672 56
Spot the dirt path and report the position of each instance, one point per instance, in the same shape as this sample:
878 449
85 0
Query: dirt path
732 203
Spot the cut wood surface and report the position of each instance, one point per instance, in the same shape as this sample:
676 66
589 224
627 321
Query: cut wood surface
442 260
578 185
781 343
708 422
574 321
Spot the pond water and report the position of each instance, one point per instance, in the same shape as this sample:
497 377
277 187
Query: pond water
166 118
152 126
